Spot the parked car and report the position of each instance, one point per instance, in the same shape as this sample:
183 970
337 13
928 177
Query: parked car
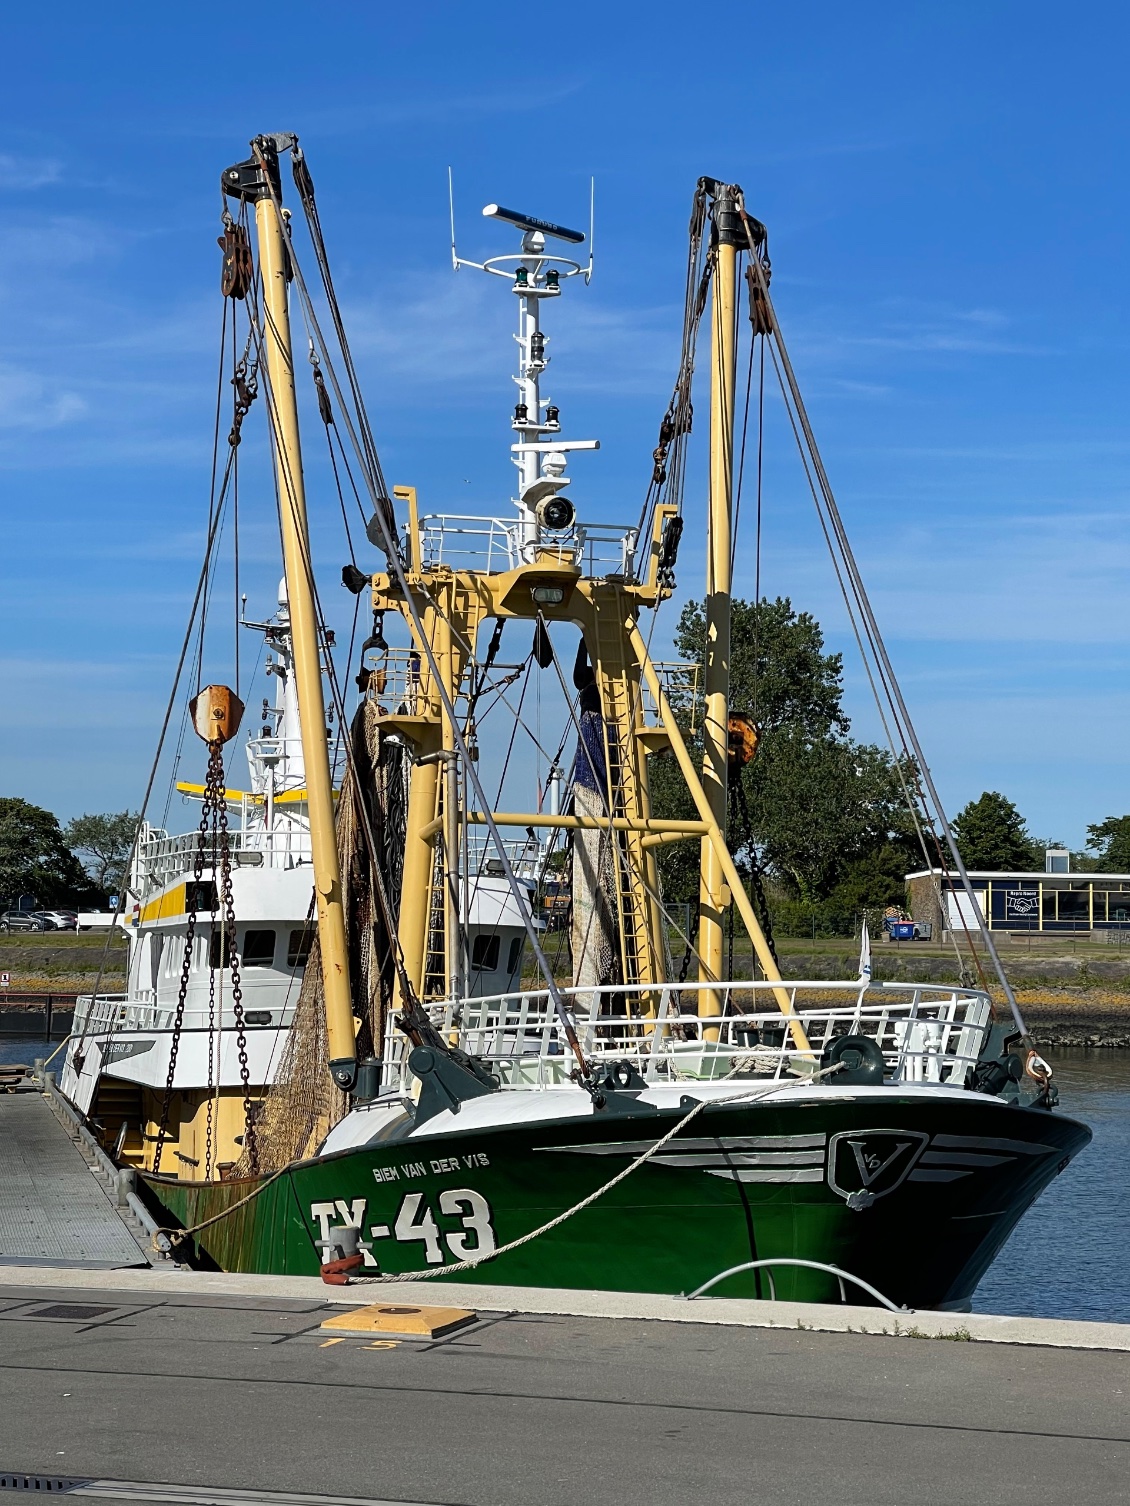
20 920
58 920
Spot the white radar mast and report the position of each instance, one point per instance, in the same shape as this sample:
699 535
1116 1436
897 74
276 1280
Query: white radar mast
540 456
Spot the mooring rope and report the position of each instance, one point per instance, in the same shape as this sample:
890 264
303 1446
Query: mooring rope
178 1235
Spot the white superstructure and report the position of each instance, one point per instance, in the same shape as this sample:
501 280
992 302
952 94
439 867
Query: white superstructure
128 1037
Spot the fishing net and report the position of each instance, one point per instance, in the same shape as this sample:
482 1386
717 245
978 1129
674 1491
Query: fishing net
304 1104
594 903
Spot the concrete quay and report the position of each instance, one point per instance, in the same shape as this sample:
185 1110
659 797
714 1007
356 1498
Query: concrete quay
204 1383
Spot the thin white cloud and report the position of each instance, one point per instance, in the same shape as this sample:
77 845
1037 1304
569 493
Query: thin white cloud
28 172
30 401
430 328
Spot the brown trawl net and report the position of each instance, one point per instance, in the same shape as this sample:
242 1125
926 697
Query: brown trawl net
303 1105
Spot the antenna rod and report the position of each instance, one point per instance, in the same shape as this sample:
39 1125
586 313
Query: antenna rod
451 207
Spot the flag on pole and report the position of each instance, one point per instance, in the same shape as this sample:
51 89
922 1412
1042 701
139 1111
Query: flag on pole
865 955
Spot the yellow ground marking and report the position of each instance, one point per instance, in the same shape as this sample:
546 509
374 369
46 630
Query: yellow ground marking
328 1342
383 1344
419 1322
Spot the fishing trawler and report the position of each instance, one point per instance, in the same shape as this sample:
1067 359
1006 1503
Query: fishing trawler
629 1126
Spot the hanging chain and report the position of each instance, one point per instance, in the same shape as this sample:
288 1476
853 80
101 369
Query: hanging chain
211 1064
761 902
246 384
192 901
230 958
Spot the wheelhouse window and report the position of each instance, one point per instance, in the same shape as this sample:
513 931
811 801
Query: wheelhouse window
298 947
200 897
484 953
515 955
258 948
217 940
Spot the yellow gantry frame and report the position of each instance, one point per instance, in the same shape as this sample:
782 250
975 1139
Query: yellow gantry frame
452 606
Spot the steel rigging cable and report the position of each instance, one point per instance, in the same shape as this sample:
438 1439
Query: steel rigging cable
905 727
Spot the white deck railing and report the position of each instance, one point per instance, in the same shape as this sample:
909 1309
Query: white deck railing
162 858
110 1014
495 544
927 1033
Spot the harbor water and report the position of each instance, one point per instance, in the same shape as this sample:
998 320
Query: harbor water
1066 1258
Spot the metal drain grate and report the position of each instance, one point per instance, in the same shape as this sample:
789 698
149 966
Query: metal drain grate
76 1310
48 1485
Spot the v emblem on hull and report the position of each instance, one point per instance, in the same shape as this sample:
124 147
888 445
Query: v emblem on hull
865 1165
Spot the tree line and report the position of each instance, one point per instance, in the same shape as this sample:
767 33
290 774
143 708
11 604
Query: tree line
821 818
80 864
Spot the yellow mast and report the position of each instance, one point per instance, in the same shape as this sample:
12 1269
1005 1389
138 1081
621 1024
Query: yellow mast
714 892
258 181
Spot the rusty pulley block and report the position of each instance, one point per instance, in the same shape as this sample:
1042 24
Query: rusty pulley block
216 713
760 312
741 740
238 268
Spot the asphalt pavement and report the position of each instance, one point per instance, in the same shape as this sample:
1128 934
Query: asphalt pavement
249 1394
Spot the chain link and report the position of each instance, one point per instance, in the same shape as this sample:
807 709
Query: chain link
211 1066
761 902
231 959
192 900
214 824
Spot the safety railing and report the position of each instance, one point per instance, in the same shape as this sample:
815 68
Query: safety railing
679 680
114 1013
926 1033
463 542
526 856
162 858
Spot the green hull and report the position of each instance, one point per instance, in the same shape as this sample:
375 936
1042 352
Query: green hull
912 1196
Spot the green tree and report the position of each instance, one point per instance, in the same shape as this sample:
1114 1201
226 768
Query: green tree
820 807
1111 840
827 814
34 857
991 834
103 844
779 672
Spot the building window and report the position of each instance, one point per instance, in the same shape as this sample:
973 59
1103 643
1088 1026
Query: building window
1074 905
258 948
515 957
298 947
484 953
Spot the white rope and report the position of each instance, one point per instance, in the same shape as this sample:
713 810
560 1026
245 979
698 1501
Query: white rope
515 1244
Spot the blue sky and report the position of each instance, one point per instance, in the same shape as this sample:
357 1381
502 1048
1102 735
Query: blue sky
945 193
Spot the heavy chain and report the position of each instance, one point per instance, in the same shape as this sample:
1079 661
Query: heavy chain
192 899
211 1068
246 384
231 960
761 903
